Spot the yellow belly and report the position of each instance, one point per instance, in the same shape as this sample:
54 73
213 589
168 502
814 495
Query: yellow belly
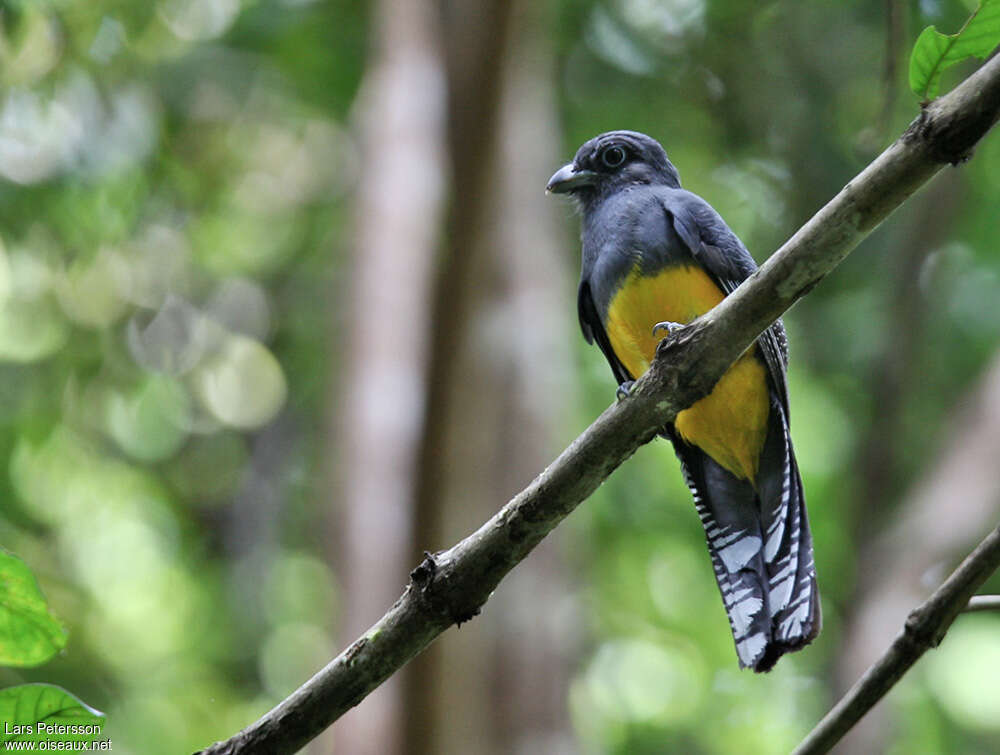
729 424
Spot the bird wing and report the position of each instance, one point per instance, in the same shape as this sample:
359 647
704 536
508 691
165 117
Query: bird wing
722 255
593 330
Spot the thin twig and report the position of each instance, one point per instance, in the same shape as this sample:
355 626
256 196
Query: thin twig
924 629
450 587
982 603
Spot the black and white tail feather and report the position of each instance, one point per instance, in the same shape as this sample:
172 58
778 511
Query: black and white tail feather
760 545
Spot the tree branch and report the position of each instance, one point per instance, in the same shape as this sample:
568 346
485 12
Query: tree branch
924 629
451 586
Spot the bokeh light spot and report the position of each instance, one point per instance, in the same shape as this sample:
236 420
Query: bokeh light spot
242 384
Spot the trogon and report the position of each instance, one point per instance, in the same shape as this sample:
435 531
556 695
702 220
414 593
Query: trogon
655 254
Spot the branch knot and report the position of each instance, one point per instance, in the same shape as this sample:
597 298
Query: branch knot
432 586
949 136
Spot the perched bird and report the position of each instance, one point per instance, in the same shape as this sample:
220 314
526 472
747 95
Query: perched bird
655 255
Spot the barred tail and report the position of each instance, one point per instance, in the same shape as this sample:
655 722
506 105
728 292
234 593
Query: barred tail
760 546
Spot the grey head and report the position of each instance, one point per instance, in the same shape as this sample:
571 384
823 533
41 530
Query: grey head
612 161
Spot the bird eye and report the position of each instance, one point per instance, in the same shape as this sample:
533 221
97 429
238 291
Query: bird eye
613 156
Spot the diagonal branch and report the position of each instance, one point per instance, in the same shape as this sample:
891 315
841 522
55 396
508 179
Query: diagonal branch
450 587
924 629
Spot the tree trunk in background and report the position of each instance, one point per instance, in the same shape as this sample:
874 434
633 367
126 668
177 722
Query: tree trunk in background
501 370
537 614
400 131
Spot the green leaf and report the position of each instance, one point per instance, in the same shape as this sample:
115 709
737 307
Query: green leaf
935 52
45 712
29 633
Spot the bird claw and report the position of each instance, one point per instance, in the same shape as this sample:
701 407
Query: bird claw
666 327
624 389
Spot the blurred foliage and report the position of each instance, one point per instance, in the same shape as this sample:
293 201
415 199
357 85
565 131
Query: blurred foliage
172 183
175 181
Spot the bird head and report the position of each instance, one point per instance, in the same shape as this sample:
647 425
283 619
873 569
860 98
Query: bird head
612 161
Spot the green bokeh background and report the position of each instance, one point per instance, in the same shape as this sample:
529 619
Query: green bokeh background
176 185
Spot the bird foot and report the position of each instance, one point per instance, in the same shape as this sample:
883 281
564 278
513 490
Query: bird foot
624 389
666 327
